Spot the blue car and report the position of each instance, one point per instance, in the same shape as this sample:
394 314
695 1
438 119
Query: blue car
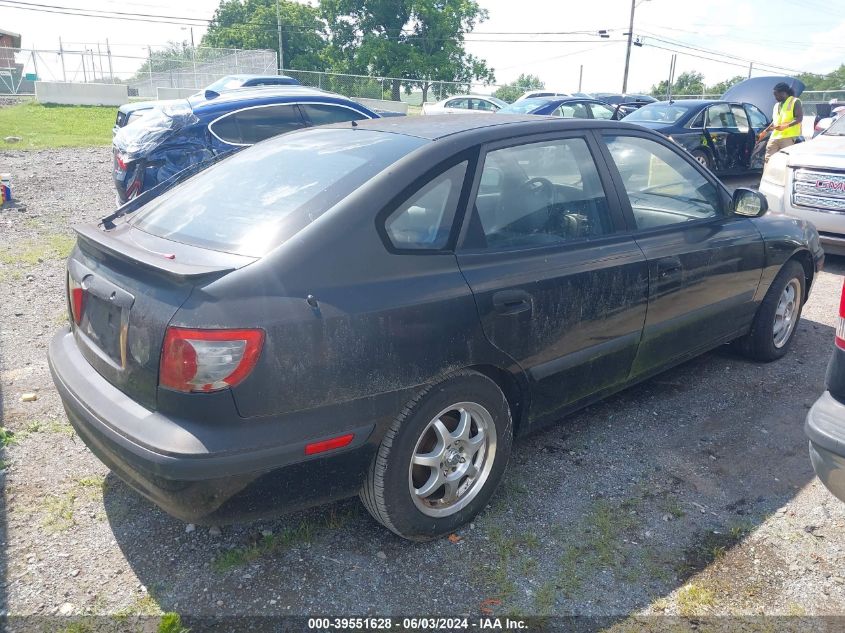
129 112
721 135
193 131
564 107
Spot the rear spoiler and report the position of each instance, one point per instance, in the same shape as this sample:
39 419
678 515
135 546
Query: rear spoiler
129 251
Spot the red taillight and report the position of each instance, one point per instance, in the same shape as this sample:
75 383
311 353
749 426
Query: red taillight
76 298
840 326
121 163
329 445
207 360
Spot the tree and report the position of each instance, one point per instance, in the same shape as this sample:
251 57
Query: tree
251 24
511 92
723 86
404 39
831 81
688 83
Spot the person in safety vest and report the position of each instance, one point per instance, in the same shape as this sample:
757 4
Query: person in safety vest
786 120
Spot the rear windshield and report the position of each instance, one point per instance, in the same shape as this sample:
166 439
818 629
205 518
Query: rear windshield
660 113
260 197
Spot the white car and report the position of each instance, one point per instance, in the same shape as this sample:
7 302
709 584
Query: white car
464 104
807 181
534 94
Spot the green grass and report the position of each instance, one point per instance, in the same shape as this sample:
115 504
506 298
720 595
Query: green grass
31 252
59 510
44 126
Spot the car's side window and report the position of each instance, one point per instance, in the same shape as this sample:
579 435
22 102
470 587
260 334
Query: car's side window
758 119
323 114
601 111
662 186
461 104
720 115
572 111
257 124
698 122
424 221
741 118
541 193
251 125
480 104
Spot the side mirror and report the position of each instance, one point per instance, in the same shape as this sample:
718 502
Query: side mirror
749 203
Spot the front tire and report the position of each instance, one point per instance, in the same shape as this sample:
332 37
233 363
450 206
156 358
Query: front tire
442 458
774 326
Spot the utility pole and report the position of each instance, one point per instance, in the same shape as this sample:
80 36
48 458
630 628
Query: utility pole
750 68
580 77
62 55
279 26
628 50
108 52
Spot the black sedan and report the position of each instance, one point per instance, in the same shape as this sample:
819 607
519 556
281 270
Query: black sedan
379 307
720 135
563 107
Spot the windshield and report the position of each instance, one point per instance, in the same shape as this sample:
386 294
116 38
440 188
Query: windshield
660 113
526 106
229 82
837 128
264 195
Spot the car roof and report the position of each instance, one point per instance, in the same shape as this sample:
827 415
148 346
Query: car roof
433 128
262 95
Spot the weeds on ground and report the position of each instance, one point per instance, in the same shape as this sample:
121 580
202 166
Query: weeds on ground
230 559
59 511
694 600
31 252
506 549
171 623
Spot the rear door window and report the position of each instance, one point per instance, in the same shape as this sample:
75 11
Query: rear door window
258 198
323 114
461 104
741 118
539 194
601 111
251 125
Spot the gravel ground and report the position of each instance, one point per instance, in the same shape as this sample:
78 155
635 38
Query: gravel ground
690 494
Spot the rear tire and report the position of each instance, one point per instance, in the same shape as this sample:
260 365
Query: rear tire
442 458
776 321
702 158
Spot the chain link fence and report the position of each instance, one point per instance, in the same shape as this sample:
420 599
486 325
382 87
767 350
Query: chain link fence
414 92
142 69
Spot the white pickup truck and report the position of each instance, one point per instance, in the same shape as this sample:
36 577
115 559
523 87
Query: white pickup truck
807 181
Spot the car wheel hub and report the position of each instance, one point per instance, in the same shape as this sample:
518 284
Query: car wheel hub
786 314
452 459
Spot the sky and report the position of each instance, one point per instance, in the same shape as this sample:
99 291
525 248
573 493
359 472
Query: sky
782 34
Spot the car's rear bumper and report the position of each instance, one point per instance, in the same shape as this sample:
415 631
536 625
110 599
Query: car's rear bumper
825 426
255 478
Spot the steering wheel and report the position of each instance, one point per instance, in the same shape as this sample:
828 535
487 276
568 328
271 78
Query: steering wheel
541 189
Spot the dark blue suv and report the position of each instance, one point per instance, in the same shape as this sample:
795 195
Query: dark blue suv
186 133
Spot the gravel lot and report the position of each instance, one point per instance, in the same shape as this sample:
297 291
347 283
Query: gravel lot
691 494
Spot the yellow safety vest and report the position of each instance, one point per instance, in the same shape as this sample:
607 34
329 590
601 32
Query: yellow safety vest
783 113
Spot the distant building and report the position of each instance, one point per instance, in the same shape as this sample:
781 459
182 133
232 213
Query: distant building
10 72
